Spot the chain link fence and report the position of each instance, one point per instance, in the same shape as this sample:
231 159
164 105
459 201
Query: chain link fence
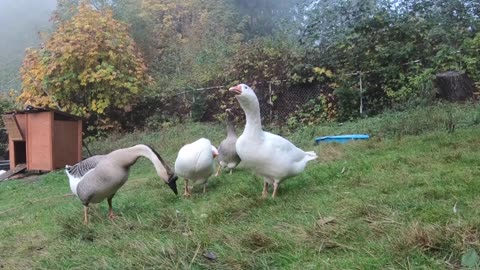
278 101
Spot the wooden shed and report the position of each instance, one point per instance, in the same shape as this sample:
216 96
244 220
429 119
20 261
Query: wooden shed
43 139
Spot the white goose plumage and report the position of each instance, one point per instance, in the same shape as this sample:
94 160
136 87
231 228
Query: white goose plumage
195 162
269 155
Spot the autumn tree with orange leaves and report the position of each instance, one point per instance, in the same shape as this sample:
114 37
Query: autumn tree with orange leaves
90 66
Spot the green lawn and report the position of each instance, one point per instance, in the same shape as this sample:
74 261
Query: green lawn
386 203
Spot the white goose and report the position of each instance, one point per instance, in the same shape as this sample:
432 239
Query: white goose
269 155
195 162
99 177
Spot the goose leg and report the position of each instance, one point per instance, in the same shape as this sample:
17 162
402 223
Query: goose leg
218 170
231 172
265 189
110 209
275 188
205 187
186 192
85 214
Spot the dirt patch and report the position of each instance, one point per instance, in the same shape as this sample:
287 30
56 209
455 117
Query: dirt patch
258 241
330 153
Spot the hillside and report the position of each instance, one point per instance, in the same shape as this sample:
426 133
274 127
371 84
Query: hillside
23 21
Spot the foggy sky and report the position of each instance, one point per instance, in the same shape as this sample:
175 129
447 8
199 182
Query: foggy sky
20 22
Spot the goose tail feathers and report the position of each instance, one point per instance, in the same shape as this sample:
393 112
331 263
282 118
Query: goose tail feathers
73 181
310 155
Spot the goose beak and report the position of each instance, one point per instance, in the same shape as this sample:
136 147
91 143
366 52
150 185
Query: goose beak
172 183
214 151
236 89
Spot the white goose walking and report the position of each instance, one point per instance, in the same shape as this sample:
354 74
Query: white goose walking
99 177
269 155
195 162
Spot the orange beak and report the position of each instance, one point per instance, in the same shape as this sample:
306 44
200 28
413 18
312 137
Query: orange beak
236 89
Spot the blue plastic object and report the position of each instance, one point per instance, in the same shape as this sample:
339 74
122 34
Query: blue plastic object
342 138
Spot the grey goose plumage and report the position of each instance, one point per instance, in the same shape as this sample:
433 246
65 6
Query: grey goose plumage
227 153
99 177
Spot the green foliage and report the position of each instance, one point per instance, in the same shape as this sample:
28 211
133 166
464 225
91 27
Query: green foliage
264 59
7 103
348 103
308 74
423 91
471 56
398 46
199 107
188 42
314 112
260 18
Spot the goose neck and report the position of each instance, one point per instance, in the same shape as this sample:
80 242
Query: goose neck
144 151
230 127
254 122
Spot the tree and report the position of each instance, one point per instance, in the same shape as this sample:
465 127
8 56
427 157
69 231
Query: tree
90 66
398 45
263 17
189 41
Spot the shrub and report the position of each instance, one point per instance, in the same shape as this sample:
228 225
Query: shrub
348 100
315 111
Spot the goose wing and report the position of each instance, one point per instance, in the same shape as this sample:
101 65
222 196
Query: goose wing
227 151
84 166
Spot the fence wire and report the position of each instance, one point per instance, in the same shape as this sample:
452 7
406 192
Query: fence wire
278 101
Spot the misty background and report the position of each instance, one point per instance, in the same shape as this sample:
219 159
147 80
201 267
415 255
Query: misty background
21 22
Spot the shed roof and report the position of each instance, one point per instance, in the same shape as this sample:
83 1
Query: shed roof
31 109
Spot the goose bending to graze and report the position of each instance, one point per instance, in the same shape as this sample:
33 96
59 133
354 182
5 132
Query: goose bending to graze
227 153
99 177
195 162
269 155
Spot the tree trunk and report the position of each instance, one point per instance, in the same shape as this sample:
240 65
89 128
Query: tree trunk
454 86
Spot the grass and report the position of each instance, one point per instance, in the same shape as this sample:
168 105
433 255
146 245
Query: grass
386 203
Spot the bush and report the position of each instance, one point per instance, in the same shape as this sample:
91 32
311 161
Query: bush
6 104
348 100
199 107
471 57
314 112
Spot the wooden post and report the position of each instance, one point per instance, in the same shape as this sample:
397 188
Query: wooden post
193 102
361 93
270 99
80 141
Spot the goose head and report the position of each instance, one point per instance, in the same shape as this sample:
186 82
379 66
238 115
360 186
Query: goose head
228 115
172 179
245 96
172 183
